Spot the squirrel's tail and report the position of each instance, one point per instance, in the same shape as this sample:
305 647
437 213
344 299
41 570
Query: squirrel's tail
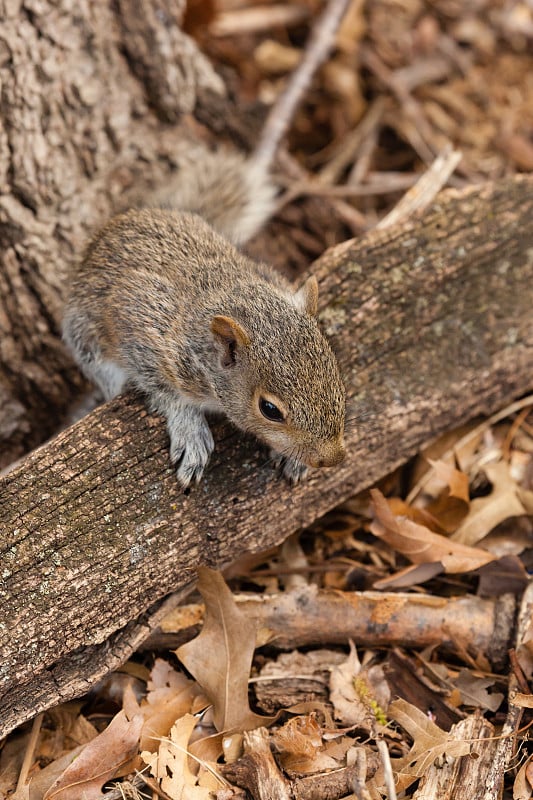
231 192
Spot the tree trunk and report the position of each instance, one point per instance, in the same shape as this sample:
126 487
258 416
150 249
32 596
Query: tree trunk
432 323
86 92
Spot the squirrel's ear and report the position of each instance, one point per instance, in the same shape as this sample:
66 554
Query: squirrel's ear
230 335
306 298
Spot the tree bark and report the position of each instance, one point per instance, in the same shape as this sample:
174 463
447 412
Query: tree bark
87 93
432 323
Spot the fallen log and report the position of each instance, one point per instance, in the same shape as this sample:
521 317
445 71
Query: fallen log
432 322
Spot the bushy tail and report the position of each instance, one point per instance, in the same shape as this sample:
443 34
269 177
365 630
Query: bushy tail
232 193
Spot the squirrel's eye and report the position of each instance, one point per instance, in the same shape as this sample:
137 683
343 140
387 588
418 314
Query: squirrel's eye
270 411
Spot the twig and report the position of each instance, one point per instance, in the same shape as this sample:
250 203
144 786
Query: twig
256 18
30 751
334 617
383 184
518 672
354 219
387 769
425 189
352 141
419 131
365 154
320 43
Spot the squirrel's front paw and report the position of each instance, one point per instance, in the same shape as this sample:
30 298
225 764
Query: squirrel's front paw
190 451
294 471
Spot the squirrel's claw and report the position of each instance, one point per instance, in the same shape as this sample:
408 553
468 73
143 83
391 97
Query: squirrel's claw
191 445
292 470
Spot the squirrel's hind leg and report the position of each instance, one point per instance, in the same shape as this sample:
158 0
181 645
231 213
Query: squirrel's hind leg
108 376
191 441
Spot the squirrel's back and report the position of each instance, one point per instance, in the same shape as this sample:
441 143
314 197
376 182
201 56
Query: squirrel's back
179 247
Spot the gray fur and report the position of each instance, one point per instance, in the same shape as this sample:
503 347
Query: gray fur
139 313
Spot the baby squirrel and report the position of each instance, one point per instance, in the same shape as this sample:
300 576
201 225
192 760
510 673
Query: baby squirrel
162 302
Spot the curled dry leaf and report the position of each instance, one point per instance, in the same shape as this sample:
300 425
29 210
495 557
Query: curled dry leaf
302 749
485 513
360 695
419 544
523 784
170 767
99 761
473 690
456 480
220 657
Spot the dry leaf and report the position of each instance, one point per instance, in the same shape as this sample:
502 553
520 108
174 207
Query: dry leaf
429 743
474 691
419 544
505 575
300 746
409 576
72 729
160 717
99 761
360 695
452 503
11 757
526 498
456 480
170 695
220 657
164 678
487 512
170 767
523 784
209 748
522 700
44 778
402 509
510 538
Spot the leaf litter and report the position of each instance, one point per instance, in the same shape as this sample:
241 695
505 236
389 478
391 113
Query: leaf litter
185 726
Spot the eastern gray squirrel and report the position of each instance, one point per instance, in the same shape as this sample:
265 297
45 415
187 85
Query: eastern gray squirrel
163 303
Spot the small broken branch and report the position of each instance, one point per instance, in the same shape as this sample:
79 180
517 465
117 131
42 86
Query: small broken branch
306 616
422 194
507 745
317 50
257 771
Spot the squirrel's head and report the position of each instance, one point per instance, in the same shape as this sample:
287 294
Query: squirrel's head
277 376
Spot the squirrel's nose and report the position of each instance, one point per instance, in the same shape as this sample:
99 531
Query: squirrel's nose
329 456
